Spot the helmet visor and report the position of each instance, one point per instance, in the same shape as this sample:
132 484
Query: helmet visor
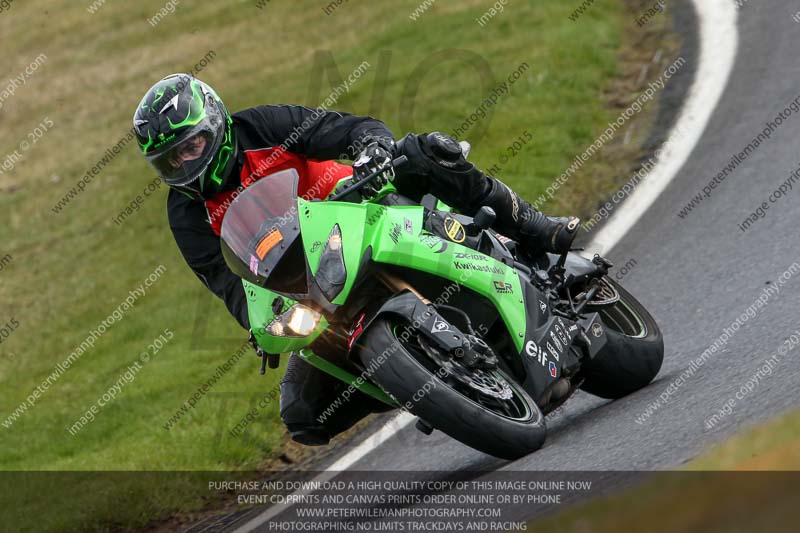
186 161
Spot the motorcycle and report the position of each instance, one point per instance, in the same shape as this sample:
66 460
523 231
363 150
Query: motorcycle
432 311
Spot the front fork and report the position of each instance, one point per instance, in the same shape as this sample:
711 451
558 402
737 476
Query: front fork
466 347
412 307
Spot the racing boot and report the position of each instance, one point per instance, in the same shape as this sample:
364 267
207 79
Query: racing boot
520 221
437 164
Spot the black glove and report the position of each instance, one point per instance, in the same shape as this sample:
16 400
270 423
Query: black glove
387 143
254 343
377 154
271 359
431 154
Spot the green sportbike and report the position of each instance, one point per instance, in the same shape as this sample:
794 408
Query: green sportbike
433 312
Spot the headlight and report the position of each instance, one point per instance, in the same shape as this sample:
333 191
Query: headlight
332 273
298 321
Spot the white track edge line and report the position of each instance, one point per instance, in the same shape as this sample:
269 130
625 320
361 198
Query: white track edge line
717 49
389 429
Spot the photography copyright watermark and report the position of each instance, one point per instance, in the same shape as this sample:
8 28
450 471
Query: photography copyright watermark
789 344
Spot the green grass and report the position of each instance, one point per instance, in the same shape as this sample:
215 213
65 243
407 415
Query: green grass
747 483
771 446
71 270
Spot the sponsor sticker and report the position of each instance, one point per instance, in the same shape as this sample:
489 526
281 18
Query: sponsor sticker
269 241
254 264
555 340
553 369
439 325
561 331
502 238
394 233
478 268
408 225
435 243
503 287
552 350
535 351
454 229
474 257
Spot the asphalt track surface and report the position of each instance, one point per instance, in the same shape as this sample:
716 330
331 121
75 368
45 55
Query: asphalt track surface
696 275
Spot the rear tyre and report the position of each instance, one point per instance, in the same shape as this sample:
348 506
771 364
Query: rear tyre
633 355
506 428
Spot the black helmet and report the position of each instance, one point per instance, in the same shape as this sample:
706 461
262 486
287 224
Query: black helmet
184 131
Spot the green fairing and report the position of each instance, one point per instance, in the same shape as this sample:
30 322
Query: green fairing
373 225
316 222
359 383
259 308
478 275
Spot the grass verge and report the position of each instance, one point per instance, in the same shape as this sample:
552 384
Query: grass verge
748 483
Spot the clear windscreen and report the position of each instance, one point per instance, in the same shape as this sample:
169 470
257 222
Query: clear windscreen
263 220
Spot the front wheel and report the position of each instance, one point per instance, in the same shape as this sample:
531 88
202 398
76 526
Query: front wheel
634 350
483 409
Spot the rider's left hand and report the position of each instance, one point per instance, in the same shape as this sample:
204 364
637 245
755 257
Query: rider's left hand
254 343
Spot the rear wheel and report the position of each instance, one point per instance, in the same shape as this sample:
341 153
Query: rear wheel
634 352
484 409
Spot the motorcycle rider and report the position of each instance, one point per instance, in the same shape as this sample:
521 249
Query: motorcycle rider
207 155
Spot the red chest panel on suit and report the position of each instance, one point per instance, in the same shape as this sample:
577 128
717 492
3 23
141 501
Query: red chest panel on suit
317 178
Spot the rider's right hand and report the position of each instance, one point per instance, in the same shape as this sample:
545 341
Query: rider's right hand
371 158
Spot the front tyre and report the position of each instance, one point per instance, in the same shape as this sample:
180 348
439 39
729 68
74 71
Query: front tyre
493 415
634 351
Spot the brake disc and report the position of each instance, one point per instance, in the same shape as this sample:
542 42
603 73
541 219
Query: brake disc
488 384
